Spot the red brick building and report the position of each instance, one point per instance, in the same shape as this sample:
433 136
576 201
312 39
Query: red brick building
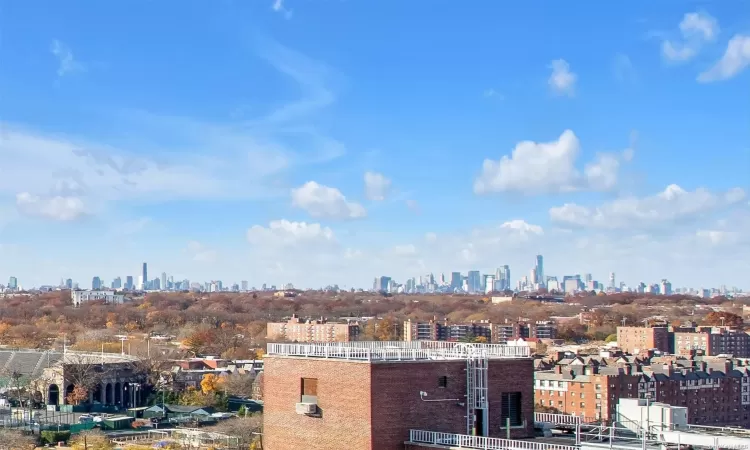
299 330
368 395
640 339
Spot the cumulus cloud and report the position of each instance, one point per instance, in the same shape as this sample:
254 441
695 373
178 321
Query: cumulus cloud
51 207
200 253
549 167
562 81
696 28
325 202
286 233
736 59
671 205
278 7
377 186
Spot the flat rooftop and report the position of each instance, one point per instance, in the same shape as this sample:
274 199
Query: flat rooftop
374 351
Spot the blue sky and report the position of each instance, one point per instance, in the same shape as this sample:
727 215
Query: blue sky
320 142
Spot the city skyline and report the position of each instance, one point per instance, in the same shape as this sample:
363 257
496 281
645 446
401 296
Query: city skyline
299 148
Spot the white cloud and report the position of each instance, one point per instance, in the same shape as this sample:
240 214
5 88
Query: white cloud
623 68
696 28
404 250
286 233
200 253
133 226
66 63
562 81
53 207
377 186
278 6
736 59
548 167
669 206
522 228
492 93
718 237
323 201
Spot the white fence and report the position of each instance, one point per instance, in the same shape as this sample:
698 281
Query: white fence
479 442
557 419
398 350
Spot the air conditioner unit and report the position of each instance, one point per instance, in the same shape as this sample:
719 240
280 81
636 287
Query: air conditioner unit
306 408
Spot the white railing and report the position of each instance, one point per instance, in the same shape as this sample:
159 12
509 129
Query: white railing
557 419
479 442
398 350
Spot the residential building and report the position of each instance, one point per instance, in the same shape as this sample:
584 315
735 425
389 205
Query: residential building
299 330
712 341
716 391
496 333
78 296
368 396
639 339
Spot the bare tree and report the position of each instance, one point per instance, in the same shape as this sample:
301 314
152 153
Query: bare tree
85 371
16 440
246 429
239 384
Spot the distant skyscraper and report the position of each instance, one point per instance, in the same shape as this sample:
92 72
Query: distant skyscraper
474 281
141 283
612 280
129 282
540 270
13 283
96 283
69 283
588 278
506 277
164 280
244 285
117 283
456 280
145 274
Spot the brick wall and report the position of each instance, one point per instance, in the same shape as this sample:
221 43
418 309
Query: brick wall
343 398
373 406
397 407
511 375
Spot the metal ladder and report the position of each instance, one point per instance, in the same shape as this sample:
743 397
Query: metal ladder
476 389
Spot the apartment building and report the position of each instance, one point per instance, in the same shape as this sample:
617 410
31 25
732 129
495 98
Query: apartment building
368 395
299 330
712 341
496 333
716 391
640 339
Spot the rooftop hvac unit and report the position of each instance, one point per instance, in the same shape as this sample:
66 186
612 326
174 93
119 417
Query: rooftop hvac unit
306 408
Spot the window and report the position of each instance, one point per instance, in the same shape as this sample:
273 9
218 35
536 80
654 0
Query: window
511 409
309 390
442 382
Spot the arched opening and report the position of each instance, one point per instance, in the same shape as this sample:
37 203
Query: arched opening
108 397
118 394
97 397
53 395
68 391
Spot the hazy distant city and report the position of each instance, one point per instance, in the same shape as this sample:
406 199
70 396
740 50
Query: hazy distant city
473 282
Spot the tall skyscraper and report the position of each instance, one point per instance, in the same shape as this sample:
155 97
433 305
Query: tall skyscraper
474 281
456 280
129 282
145 273
244 285
612 280
13 283
96 283
164 281
506 277
141 283
69 283
540 270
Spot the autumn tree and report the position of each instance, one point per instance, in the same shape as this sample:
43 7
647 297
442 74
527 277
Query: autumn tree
210 383
85 372
723 318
